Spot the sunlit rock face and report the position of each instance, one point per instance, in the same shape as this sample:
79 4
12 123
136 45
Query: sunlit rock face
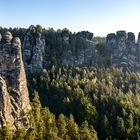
14 100
123 50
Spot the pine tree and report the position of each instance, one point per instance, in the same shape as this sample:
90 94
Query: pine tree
137 136
61 125
73 129
36 108
50 124
37 118
93 133
85 132
105 125
120 127
31 134
20 134
129 125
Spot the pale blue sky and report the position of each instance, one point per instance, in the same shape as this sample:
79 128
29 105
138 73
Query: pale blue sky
98 16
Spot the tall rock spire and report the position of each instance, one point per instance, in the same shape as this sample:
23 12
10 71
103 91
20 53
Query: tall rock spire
33 53
14 100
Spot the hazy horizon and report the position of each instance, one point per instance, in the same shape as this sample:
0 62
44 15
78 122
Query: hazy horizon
98 16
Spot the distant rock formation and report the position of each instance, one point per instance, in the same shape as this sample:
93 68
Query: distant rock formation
120 50
86 56
85 34
124 51
0 37
14 100
33 53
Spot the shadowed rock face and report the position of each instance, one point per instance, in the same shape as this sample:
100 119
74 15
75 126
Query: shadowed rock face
14 100
86 56
85 34
33 53
0 37
111 44
121 50
124 51
7 37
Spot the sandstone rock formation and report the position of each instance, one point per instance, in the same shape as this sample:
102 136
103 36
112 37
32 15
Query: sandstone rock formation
5 104
85 34
33 53
123 51
0 37
14 100
7 37
65 36
83 56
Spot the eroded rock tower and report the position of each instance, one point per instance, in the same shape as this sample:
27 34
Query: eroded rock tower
14 100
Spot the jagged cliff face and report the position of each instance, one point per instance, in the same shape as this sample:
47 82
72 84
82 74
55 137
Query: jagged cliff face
34 51
84 52
124 51
121 49
85 56
14 100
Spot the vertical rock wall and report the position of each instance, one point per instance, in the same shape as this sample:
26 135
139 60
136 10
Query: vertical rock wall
33 53
14 93
124 51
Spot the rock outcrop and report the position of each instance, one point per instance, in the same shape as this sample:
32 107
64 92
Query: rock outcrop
0 37
120 50
33 53
14 100
124 51
82 56
85 34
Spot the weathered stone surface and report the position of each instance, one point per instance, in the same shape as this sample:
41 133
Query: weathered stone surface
85 34
111 45
138 54
65 36
123 50
16 42
7 37
33 53
81 57
5 104
0 37
121 42
13 78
